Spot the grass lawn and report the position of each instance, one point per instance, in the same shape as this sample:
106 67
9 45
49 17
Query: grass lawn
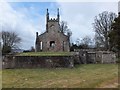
45 54
82 76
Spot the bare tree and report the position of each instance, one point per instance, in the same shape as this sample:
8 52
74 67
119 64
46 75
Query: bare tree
86 41
65 30
63 27
102 26
78 42
10 40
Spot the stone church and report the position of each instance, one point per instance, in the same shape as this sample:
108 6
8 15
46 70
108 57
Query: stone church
52 39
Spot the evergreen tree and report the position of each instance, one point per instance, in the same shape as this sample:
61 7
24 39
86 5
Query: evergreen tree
114 35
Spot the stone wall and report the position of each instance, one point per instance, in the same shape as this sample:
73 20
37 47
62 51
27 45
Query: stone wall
105 57
81 57
97 57
38 61
61 42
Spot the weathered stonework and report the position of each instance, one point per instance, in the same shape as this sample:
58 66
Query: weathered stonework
38 62
93 56
52 39
81 57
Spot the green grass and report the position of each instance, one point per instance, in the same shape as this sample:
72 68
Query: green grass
45 54
82 76
0 79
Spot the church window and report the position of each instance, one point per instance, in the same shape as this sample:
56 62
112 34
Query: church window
41 45
52 43
63 45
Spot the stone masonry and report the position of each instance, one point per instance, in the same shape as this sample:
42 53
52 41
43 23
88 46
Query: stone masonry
52 39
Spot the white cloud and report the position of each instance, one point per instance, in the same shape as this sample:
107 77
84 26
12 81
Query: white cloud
20 22
119 6
80 15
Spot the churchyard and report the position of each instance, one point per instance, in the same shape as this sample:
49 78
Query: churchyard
81 76
58 62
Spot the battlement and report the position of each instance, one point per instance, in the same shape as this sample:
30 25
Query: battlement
53 19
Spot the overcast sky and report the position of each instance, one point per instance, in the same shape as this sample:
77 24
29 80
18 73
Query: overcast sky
27 18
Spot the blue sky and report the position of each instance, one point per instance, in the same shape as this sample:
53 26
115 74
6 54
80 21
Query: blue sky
27 18
34 9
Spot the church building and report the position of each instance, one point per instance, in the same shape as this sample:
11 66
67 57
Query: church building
52 40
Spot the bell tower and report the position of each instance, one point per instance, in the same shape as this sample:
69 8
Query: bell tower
52 22
52 40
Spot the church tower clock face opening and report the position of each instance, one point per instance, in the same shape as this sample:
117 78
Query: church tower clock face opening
52 39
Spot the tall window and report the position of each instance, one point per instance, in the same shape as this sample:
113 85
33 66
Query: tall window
63 45
41 45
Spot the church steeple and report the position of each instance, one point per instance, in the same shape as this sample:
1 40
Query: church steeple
58 16
47 15
47 19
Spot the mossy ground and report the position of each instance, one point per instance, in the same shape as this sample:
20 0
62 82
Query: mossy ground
45 54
